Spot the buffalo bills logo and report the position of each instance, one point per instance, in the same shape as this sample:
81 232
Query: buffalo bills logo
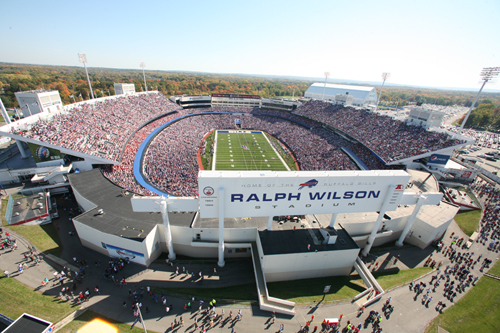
208 190
310 183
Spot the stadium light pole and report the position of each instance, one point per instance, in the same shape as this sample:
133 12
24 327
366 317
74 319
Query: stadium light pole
143 65
385 76
487 74
83 59
327 74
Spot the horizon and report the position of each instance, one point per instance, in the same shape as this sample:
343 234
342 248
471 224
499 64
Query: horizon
445 48
292 77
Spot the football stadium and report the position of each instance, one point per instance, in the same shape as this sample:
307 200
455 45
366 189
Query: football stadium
303 188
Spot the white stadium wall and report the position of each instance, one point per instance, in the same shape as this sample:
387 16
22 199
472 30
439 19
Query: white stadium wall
94 240
185 241
84 203
304 265
152 244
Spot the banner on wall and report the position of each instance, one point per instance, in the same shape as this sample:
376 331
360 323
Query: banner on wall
118 252
273 193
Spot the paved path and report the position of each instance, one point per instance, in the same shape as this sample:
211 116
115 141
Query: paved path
409 315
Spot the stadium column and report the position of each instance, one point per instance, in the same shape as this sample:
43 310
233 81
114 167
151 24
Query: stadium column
21 148
270 223
221 262
168 233
332 221
413 216
376 227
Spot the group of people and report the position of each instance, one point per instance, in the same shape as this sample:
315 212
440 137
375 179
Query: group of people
171 165
489 233
100 129
114 129
390 139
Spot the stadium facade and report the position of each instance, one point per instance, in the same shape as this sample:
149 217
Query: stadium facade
338 219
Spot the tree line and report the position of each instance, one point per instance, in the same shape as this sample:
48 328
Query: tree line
71 82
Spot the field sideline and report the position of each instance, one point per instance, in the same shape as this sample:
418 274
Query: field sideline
245 150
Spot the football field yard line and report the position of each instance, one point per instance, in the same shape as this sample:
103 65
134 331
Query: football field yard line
240 147
215 150
258 155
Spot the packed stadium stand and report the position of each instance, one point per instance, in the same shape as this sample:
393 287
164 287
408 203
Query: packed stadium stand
113 129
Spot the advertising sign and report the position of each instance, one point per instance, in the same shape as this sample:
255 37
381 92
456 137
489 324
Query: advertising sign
118 252
43 154
273 193
438 159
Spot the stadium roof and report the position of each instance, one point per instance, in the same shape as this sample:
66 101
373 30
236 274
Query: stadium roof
331 89
118 218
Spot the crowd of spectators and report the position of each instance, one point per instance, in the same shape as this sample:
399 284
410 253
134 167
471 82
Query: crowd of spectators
123 174
171 165
390 139
100 129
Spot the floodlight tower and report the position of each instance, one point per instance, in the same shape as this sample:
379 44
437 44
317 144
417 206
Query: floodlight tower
327 74
385 76
143 65
487 74
83 59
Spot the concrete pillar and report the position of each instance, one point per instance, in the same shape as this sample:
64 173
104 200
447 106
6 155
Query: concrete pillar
332 221
21 148
411 219
168 234
383 209
221 262
270 223
4 112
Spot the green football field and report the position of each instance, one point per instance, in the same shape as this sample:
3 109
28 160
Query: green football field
245 151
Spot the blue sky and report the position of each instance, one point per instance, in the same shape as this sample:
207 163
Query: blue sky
427 43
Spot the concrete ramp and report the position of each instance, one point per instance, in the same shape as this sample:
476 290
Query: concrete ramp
266 302
374 291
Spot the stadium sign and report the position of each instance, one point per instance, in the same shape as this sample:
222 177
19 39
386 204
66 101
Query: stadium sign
438 159
270 193
236 96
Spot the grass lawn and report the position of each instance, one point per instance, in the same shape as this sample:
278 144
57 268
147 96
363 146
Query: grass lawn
44 237
468 221
478 311
389 279
245 151
303 291
495 270
16 298
88 316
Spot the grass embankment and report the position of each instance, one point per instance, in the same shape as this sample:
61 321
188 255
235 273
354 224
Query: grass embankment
304 291
89 316
44 237
478 311
468 221
16 298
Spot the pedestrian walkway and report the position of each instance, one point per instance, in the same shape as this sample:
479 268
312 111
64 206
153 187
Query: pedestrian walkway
409 315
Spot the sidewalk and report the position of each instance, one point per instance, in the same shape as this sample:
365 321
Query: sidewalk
408 316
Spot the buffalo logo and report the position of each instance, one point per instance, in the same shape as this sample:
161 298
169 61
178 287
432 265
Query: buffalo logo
310 183
208 190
